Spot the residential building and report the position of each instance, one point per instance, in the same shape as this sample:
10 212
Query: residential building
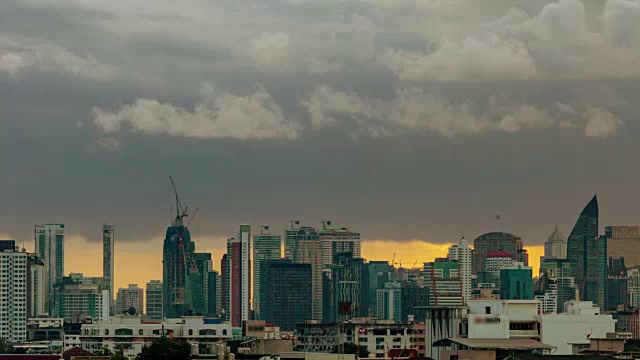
413 298
129 334
345 282
380 273
486 243
80 298
624 241
130 297
462 253
178 262
503 319
633 287
290 236
556 246
285 285
45 329
516 282
496 260
265 247
389 302
443 322
336 241
108 260
548 301
49 245
308 250
559 271
442 278
35 286
238 273
154 300
13 292
617 295
587 253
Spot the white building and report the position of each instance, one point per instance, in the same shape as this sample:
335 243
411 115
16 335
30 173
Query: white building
462 253
154 300
131 297
633 287
80 301
581 322
49 245
496 260
341 240
130 334
13 292
265 247
503 319
108 251
548 300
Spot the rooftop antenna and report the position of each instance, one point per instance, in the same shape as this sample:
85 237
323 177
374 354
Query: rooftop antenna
263 229
497 223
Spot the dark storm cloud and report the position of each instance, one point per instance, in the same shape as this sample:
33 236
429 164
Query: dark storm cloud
403 119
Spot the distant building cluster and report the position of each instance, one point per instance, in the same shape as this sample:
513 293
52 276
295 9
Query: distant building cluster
312 286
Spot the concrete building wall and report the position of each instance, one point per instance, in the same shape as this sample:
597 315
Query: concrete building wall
563 330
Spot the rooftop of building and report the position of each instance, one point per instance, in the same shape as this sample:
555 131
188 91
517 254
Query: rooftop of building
556 235
502 344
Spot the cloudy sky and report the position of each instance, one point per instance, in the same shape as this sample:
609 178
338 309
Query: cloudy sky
404 119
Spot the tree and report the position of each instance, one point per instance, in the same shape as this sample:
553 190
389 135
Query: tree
166 349
5 348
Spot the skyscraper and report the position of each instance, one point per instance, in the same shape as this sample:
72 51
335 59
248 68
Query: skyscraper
486 243
13 292
336 241
624 241
200 292
617 294
308 250
346 281
177 263
633 287
560 275
285 290
154 300
265 247
35 286
131 297
587 253
556 246
516 282
213 289
290 239
380 273
462 253
442 277
80 297
389 302
108 252
49 245
238 274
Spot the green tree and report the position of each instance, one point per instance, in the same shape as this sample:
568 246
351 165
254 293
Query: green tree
5 348
166 349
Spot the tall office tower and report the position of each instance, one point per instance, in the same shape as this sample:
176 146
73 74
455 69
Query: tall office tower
414 299
556 246
239 277
108 252
35 286
486 243
335 241
200 290
224 285
346 281
462 253
219 289
587 253
80 298
154 300
213 288
13 292
177 264
516 282
285 289
131 297
495 261
624 241
389 302
442 278
617 294
633 287
290 236
308 250
265 247
49 245
380 273
558 271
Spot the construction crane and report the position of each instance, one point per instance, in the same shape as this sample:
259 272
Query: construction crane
181 209
393 261
414 264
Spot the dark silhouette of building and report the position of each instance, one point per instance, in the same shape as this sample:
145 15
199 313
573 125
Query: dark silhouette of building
616 285
494 241
346 282
177 264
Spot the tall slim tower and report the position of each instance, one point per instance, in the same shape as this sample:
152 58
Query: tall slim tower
108 251
265 247
13 292
290 239
49 245
238 272
308 250
462 253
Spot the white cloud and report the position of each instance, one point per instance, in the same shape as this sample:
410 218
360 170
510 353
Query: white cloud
416 110
270 51
19 59
216 115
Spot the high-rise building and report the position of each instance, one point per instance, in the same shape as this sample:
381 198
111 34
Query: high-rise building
380 273
442 278
336 241
624 241
82 297
154 300
617 294
265 247
13 292
290 236
49 245
35 286
131 297
462 253
495 261
587 253
213 288
559 273
516 282
285 286
414 299
556 246
308 250
108 252
486 243
177 264
238 273
633 287
199 297
389 302
346 281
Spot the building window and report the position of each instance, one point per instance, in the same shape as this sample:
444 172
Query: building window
487 309
224 332
140 332
106 332
190 332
